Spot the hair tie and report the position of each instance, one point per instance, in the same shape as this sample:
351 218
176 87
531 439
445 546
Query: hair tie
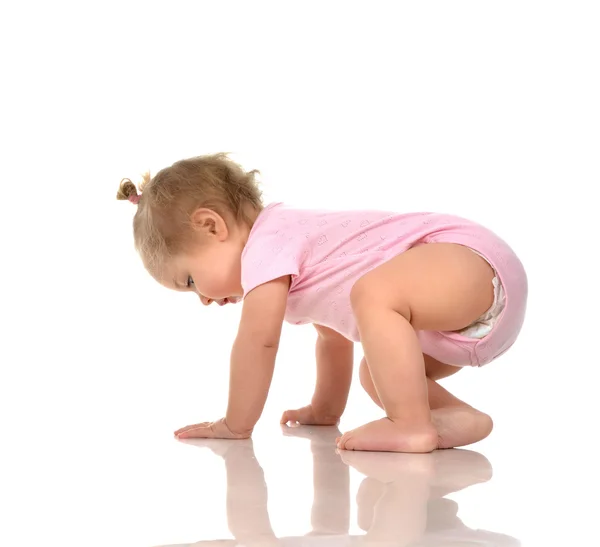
135 198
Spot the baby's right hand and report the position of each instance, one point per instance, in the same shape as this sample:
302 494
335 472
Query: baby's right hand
307 415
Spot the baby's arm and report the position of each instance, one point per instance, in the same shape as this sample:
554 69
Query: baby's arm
252 363
253 354
335 356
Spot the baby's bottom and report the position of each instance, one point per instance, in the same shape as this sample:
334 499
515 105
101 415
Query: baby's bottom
457 423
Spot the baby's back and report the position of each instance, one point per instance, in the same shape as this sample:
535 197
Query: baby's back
326 252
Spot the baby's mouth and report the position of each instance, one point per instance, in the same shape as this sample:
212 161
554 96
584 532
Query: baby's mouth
228 300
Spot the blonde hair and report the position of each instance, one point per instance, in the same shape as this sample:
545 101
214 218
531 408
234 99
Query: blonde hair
161 225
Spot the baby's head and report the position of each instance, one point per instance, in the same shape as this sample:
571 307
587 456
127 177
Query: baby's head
192 223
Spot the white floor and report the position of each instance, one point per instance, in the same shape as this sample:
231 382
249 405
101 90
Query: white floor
325 498
485 110
84 469
352 498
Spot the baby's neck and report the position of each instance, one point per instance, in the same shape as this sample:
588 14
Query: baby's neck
246 227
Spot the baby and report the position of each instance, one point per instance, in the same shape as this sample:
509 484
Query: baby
424 293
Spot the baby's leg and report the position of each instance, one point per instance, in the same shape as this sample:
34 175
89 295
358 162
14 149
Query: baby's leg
436 286
457 423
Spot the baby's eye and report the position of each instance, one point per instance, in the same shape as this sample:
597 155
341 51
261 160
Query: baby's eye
190 281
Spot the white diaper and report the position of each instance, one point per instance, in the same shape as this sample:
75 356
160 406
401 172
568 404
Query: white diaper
484 325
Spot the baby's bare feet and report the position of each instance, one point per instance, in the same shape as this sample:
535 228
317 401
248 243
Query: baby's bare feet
460 426
387 436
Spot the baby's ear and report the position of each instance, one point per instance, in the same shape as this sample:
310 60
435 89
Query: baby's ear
207 222
209 225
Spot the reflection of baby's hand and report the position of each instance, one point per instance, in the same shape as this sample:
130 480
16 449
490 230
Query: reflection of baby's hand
207 543
322 435
221 447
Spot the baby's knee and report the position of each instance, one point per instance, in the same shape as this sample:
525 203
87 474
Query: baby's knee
367 297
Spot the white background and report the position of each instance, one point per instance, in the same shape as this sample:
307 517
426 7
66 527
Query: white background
488 110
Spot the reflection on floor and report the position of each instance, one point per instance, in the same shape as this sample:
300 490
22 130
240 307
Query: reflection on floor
400 502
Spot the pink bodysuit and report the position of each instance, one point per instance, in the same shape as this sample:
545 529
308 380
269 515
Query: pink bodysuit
326 252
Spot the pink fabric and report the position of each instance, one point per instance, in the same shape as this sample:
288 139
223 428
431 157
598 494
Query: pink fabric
326 252
135 199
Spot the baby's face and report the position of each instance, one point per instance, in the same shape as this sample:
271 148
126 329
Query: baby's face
211 267
212 271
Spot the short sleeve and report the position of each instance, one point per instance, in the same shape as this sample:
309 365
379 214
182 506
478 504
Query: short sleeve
269 255
274 249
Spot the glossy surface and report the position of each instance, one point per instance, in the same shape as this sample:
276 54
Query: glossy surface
358 498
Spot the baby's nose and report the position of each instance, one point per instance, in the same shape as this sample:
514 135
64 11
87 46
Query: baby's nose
206 301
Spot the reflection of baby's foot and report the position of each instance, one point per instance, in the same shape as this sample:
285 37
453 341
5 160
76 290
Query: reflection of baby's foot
445 470
460 426
386 436
388 467
458 469
392 500
369 493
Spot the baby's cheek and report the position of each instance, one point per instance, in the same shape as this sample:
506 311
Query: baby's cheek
206 288
217 287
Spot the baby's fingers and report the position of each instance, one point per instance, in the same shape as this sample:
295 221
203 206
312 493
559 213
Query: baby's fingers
198 432
189 428
290 416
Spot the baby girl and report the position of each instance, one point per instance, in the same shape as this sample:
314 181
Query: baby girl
424 293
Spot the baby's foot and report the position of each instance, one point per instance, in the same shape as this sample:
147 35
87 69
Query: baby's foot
460 426
386 436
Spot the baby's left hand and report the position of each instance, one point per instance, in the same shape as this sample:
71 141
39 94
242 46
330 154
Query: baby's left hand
209 430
